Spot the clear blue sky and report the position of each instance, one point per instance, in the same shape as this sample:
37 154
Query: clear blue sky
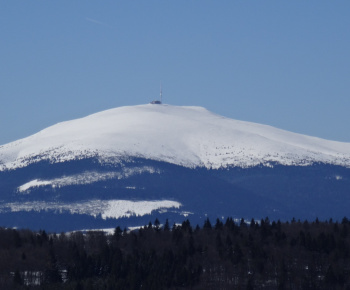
281 63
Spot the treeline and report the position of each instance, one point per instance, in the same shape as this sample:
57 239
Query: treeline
223 255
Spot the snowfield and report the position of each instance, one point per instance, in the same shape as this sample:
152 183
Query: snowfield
186 136
85 178
107 208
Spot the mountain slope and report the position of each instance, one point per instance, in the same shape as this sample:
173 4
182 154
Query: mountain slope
129 165
186 136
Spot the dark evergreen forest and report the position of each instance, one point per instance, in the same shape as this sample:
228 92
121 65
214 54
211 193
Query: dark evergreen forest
218 255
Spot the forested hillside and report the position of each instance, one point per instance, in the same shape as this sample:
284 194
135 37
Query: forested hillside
218 255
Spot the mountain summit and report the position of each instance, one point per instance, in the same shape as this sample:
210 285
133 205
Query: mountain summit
129 165
186 136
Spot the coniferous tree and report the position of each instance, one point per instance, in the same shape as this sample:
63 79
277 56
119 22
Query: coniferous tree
166 226
207 224
17 279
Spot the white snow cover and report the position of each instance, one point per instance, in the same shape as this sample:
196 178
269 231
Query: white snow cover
87 177
107 208
187 136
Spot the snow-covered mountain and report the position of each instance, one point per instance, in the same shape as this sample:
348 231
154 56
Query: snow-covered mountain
129 165
186 136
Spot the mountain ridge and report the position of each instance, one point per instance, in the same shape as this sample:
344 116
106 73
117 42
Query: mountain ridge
188 136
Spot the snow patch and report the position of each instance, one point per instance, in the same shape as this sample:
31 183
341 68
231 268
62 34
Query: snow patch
186 213
120 208
105 208
87 177
34 183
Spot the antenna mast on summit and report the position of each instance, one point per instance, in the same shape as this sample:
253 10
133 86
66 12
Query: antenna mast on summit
160 92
